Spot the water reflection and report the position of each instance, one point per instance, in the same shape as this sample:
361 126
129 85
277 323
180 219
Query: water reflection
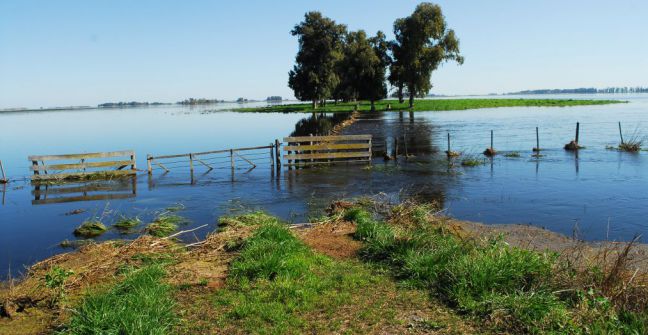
319 124
95 190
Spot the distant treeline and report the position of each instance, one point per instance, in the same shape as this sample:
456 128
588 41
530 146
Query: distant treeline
274 98
584 90
192 101
130 104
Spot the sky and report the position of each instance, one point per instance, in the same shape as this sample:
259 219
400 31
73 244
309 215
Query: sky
65 52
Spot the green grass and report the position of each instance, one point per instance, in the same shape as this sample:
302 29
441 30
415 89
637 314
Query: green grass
126 223
140 304
513 154
90 228
472 161
428 105
165 225
278 285
510 288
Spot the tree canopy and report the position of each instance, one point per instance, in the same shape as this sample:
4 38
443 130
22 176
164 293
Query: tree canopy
335 64
422 43
314 76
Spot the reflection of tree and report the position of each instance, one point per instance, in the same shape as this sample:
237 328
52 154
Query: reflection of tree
318 124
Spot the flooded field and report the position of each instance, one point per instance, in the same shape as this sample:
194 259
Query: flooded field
598 194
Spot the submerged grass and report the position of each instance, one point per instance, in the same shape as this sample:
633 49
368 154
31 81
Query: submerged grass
126 223
140 304
165 225
426 105
512 289
472 161
90 228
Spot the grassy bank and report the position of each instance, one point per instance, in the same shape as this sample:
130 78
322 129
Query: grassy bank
361 270
427 105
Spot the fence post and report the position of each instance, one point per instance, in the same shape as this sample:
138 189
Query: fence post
278 154
191 167
491 146
537 148
134 160
148 163
232 158
577 131
621 133
4 178
272 160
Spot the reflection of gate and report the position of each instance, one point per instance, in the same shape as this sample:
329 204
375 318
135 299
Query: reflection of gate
54 193
315 150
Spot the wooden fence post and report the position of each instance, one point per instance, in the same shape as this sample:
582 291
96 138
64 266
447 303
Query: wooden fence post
232 158
278 153
191 166
272 160
621 133
577 131
4 177
133 158
537 148
148 163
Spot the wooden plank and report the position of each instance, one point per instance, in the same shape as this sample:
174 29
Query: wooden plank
330 155
83 198
81 165
107 174
327 138
326 146
82 156
306 164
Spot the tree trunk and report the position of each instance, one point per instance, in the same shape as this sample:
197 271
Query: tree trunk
400 94
314 104
373 105
411 100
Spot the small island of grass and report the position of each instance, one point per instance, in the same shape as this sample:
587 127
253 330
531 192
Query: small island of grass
425 105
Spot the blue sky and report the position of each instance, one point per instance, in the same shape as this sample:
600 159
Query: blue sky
56 53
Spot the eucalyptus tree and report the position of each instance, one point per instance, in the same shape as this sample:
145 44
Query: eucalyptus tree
314 76
362 67
423 42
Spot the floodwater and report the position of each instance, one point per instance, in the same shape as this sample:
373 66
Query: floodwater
598 194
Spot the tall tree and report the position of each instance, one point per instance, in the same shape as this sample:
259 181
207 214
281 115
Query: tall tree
362 68
314 76
422 43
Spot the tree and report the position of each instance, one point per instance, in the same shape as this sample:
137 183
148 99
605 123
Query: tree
314 76
362 68
422 43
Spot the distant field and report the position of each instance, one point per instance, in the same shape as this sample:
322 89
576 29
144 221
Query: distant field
429 105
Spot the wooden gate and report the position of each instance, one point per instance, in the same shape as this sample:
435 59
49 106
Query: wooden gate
316 150
77 166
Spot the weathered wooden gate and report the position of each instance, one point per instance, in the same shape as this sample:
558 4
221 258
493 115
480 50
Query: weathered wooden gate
78 166
304 151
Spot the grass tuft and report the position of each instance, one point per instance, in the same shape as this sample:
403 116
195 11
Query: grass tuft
90 228
140 304
165 225
126 223
472 161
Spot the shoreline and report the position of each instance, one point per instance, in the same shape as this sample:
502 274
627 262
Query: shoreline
203 269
